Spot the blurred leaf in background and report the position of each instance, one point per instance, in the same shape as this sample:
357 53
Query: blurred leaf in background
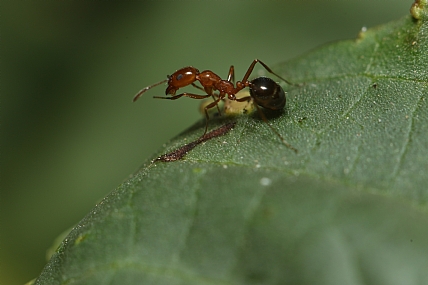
70 133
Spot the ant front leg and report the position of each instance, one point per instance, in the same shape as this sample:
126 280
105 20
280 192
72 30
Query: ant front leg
208 91
209 106
198 87
195 96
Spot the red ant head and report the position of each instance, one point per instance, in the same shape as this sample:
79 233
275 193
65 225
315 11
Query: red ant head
181 78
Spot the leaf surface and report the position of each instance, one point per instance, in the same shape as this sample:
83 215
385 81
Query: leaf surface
349 208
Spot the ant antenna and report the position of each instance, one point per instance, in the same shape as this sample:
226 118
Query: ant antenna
138 95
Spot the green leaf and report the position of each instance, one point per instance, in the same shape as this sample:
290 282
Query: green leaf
349 208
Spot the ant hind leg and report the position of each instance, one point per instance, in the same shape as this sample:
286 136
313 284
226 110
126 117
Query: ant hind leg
231 75
275 131
250 69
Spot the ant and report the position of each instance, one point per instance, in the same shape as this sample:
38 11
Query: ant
263 91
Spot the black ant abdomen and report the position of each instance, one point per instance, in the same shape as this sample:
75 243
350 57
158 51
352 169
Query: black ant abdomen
267 93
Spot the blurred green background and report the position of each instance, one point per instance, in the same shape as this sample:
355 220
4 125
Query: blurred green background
69 69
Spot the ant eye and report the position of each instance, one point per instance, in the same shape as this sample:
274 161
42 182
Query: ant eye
267 93
179 76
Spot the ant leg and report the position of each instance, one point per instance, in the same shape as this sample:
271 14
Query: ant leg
196 86
209 106
231 75
218 108
209 90
196 96
250 69
190 95
243 99
249 102
275 131
270 70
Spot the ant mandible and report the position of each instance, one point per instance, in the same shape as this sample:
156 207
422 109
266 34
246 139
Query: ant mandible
264 91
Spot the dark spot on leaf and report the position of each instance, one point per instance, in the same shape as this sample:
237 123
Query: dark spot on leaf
182 151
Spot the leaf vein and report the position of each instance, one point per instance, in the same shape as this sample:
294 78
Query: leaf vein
405 146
